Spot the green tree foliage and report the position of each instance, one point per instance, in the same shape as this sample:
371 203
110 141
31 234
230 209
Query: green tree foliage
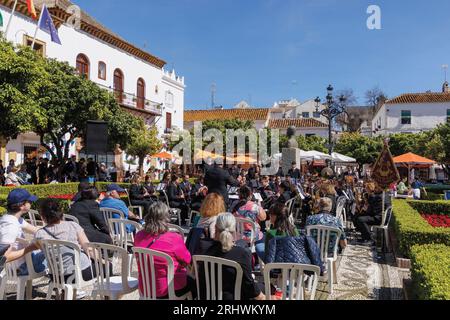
401 143
49 98
437 145
144 143
363 149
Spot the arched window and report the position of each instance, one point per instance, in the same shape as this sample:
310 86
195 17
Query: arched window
118 85
140 93
83 65
102 70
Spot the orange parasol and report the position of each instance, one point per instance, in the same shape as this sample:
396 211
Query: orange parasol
163 155
411 159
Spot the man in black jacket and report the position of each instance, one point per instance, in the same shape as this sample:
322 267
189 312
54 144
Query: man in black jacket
217 179
177 198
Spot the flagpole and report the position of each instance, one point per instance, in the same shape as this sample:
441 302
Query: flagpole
10 19
37 27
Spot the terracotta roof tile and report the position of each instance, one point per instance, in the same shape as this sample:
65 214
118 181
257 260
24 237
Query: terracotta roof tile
429 97
298 123
226 114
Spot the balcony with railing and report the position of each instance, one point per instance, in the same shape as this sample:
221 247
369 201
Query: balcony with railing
131 101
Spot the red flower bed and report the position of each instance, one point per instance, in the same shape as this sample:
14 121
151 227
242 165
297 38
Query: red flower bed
437 220
62 196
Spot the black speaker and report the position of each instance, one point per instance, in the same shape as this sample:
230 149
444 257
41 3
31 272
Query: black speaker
97 137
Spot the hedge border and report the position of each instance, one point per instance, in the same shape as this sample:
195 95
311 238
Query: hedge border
411 229
430 272
441 207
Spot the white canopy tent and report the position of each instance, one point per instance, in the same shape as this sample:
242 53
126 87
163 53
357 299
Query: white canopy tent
337 157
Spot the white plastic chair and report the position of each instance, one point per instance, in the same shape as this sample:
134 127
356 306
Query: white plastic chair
68 217
106 284
146 264
24 284
322 238
213 281
109 213
53 255
132 207
290 205
292 275
341 212
121 238
241 223
32 219
386 219
175 214
176 229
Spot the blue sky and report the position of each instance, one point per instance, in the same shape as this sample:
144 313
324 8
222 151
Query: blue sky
269 50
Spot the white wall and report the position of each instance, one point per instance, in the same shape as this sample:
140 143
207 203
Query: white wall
75 42
424 117
308 106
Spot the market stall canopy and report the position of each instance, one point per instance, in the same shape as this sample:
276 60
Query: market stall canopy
242 159
337 157
163 155
413 160
202 154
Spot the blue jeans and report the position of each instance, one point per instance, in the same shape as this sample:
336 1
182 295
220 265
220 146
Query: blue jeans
260 248
39 264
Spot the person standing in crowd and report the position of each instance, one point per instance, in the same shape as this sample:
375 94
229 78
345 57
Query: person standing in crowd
32 169
112 172
294 172
417 186
217 179
12 164
92 170
102 173
43 170
70 169
2 173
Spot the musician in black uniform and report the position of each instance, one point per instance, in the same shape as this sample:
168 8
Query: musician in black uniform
176 197
217 179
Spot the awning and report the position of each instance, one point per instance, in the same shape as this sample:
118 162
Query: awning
163 155
337 157
413 160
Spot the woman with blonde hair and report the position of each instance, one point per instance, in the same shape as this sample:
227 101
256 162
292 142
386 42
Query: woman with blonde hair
225 248
212 206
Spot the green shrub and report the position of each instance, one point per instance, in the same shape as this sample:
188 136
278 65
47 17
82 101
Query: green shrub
439 188
46 190
431 207
2 211
411 229
430 271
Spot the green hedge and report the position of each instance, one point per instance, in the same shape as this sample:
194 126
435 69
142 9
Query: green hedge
411 229
439 188
431 207
2 211
46 190
430 271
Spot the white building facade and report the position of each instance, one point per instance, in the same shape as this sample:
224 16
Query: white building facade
138 79
412 113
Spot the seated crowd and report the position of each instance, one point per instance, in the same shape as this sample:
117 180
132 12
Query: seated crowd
243 217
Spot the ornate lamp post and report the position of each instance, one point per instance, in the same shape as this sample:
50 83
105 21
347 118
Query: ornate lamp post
332 110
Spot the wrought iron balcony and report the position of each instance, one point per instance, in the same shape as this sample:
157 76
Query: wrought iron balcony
130 100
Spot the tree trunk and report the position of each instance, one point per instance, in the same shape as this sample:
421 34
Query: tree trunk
141 166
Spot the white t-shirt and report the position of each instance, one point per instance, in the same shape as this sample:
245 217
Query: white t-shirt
11 228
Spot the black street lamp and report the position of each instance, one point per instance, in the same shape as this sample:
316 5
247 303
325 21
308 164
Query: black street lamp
333 109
